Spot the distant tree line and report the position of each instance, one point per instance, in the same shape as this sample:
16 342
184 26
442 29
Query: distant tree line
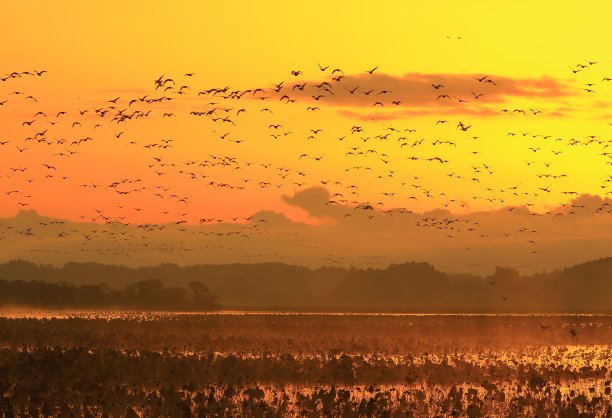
406 287
149 295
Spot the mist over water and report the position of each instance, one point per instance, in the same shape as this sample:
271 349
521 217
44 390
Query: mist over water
237 363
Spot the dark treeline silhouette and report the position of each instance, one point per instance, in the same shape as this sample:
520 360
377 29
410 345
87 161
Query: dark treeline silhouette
407 287
143 295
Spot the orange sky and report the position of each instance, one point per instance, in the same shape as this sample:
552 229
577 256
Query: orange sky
398 157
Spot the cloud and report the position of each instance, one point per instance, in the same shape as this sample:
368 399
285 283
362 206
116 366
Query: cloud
356 234
319 205
399 113
316 202
271 218
417 90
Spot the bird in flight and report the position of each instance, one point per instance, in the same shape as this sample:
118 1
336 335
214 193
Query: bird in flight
463 127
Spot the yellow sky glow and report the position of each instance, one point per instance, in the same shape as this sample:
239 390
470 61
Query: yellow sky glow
551 145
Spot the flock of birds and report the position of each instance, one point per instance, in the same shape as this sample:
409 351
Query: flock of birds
373 167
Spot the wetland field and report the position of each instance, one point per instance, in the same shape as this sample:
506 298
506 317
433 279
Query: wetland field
105 364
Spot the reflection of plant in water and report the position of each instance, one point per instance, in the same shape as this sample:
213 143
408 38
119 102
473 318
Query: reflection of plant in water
328 400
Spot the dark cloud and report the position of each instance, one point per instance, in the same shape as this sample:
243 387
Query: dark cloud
399 113
271 218
351 234
316 202
417 90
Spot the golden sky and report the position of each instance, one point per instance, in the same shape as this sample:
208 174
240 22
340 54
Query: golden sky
546 64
